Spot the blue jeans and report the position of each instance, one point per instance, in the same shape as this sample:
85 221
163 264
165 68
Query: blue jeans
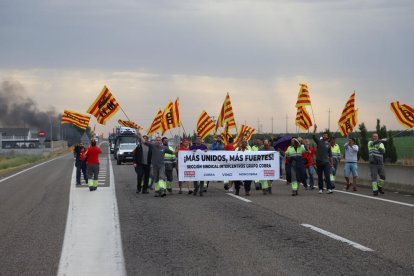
310 172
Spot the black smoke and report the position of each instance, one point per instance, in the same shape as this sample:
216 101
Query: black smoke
18 110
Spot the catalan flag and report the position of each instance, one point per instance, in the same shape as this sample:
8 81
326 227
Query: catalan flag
78 119
348 110
244 133
156 123
171 116
226 115
349 117
349 124
303 96
404 114
225 135
129 124
104 107
303 120
205 125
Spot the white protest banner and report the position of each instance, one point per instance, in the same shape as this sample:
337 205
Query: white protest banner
228 165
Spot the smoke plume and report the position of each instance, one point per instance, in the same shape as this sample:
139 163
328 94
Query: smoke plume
18 110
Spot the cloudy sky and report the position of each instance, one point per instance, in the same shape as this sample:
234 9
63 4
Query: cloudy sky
147 52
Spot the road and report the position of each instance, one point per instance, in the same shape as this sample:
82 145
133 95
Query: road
49 227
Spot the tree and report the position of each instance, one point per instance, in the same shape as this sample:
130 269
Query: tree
363 150
381 130
391 151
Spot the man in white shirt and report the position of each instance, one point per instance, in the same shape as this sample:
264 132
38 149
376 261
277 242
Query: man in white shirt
351 165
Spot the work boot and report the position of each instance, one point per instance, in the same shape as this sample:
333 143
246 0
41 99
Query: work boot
380 190
237 192
138 191
264 192
195 192
247 193
169 190
91 188
156 194
375 193
269 190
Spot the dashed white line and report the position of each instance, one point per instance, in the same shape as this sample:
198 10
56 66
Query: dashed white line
238 197
339 238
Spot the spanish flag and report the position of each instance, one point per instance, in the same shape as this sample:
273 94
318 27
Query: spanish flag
205 125
303 96
129 124
244 133
404 114
78 119
170 116
226 115
104 107
303 120
156 123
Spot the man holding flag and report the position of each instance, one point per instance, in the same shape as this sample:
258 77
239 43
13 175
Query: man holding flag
376 164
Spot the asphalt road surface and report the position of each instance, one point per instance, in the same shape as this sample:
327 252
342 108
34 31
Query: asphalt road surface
48 226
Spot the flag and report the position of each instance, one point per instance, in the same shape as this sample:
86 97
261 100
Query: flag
170 116
348 125
244 133
78 119
104 107
226 115
303 120
303 96
129 124
404 114
156 123
225 135
349 117
205 125
348 110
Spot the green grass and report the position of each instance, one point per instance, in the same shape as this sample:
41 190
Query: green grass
15 161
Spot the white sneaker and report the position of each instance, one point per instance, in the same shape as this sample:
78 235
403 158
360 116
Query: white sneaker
330 191
321 191
231 190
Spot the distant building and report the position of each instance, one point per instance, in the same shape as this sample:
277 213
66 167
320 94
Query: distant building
12 138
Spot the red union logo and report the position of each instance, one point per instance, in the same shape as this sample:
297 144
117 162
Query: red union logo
269 172
189 173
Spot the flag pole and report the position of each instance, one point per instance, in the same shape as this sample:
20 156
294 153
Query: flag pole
124 113
185 132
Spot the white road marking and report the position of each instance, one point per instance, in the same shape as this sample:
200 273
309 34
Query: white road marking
336 237
376 198
31 168
238 197
92 243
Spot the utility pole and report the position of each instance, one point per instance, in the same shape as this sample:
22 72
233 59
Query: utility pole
272 124
329 119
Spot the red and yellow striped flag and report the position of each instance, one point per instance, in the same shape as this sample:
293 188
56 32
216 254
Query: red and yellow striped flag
348 110
78 119
205 125
303 96
156 123
104 107
226 115
244 133
171 116
404 114
349 117
225 135
303 120
349 124
129 124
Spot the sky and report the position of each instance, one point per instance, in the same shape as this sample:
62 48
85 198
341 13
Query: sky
63 52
